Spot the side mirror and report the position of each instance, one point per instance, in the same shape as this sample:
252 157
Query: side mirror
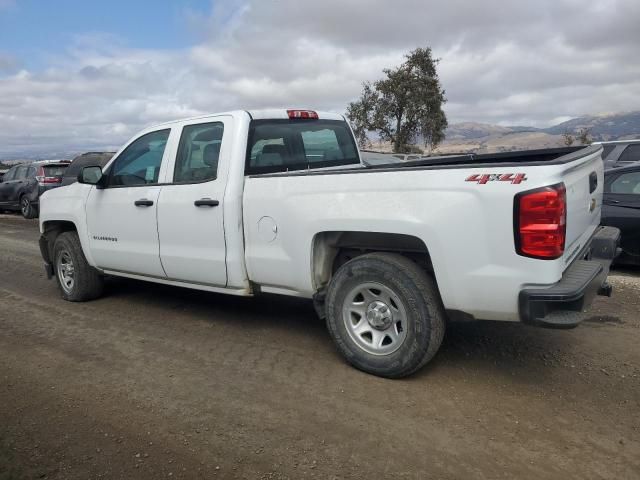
90 175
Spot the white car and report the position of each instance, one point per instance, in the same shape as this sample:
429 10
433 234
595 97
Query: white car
252 202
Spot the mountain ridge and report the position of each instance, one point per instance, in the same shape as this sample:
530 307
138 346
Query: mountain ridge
486 137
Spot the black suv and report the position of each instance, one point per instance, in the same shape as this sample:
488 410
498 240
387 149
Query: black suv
85 160
622 208
22 185
619 153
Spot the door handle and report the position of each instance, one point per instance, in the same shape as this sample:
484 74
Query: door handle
206 202
143 202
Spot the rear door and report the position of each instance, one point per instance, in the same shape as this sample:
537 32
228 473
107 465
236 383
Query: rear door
6 185
191 205
122 216
18 186
622 208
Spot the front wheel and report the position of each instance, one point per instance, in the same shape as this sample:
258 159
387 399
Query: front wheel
78 281
385 314
26 208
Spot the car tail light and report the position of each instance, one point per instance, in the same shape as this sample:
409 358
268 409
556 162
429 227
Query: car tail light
310 114
540 218
43 180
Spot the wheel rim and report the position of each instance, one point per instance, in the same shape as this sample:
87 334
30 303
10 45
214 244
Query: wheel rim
25 205
66 271
375 318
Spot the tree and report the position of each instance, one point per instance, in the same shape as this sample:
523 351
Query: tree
403 106
567 138
584 136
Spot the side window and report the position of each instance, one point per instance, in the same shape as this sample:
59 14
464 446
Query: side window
630 154
31 173
139 164
10 175
607 149
198 153
627 183
21 173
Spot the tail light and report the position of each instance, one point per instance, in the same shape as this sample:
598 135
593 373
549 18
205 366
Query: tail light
43 180
310 114
540 218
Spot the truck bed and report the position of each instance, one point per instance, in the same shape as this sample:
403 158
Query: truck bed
530 157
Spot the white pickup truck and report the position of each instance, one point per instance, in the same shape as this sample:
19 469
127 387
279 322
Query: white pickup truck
278 201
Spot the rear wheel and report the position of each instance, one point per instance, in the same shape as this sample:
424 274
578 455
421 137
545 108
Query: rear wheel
385 315
78 281
27 209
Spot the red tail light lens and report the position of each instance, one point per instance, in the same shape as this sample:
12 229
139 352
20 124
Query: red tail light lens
44 180
540 222
310 114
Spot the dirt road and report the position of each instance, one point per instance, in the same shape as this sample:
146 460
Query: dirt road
158 382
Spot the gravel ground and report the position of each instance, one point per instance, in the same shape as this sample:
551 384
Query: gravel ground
155 382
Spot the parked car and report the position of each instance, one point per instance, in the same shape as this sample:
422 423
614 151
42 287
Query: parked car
278 201
620 152
22 185
78 163
621 209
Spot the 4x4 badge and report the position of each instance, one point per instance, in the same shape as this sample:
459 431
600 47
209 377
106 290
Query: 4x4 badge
513 178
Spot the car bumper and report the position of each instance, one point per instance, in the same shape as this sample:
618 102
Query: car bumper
563 304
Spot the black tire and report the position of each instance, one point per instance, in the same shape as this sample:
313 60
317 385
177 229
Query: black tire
27 209
87 283
423 327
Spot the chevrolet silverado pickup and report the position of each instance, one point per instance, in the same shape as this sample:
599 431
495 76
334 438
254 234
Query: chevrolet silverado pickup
279 202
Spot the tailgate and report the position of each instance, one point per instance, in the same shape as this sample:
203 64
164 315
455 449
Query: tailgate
584 182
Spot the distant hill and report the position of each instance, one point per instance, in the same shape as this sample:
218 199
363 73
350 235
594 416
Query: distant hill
482 137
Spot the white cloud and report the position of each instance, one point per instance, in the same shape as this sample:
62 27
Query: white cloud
502 62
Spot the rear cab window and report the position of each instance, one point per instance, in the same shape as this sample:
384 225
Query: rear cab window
54 170
299 144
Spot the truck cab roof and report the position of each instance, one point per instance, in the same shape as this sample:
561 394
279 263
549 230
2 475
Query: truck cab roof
259 114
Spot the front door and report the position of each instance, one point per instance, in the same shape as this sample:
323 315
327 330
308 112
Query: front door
190 208
122 216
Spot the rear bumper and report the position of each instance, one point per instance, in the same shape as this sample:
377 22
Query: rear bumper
562 305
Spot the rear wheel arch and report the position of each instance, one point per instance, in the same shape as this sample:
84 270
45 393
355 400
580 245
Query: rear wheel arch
332 249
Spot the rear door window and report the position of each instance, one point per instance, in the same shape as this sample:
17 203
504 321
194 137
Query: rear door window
286 145
198 153
21 174
10 175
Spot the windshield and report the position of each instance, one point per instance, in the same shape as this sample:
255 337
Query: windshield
286 145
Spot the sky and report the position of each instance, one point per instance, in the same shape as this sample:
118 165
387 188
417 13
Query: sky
78 75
